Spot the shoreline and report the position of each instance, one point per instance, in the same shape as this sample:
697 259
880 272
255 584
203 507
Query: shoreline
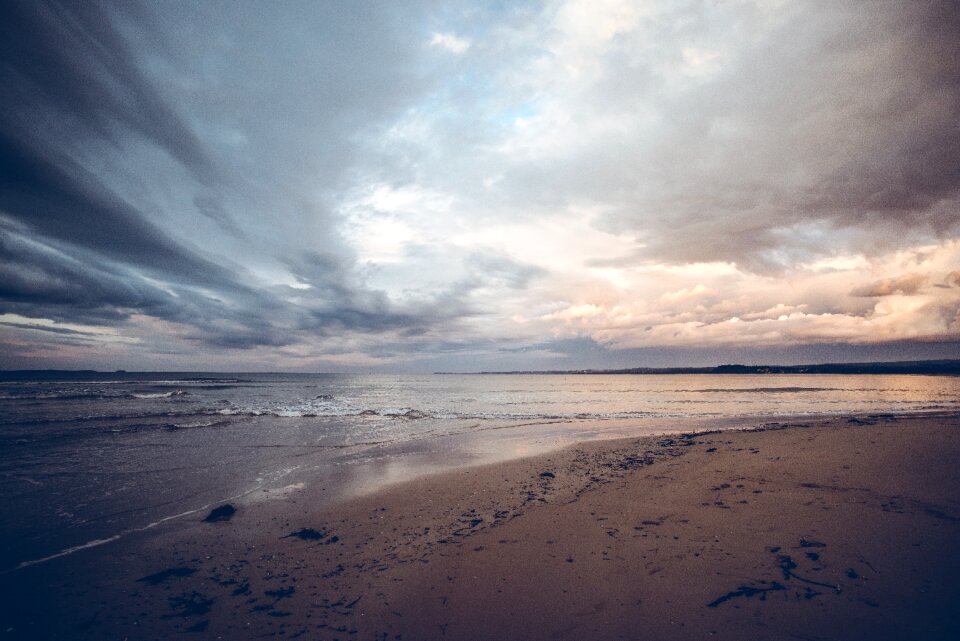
605 431
560 544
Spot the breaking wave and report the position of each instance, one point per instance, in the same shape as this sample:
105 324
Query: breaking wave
160 394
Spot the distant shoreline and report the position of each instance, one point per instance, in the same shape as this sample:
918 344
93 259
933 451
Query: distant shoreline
932 367
942 367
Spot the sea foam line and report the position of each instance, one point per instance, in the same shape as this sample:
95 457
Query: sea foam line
98 542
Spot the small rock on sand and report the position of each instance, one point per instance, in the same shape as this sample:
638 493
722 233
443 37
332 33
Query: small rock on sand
223 513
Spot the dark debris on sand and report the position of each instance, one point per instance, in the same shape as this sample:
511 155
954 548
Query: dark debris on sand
222 513
787 566
309 534
748 592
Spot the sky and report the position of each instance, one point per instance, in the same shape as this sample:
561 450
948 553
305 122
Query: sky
462 186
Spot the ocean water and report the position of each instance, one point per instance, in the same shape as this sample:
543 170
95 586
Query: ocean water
91 458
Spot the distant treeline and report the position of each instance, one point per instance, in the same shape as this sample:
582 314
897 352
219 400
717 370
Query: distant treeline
938 367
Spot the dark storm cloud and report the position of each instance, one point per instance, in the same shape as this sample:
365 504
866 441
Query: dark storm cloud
69 80
59 199
291 87
63 282
808 128
336 301
916 156
845 118
63 63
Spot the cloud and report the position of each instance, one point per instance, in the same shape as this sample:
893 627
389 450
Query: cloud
753 311
107 161
89 333
66 67
687 293
53 196
312 185
906 285
450 42
493 266
815 125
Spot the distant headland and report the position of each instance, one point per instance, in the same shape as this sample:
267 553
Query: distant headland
950 367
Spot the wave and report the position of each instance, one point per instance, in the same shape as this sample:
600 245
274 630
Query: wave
150 414
189 425
95 394
160 394
62 396
115 416
414 414
326 412
67 432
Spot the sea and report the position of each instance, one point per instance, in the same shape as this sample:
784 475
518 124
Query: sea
89 458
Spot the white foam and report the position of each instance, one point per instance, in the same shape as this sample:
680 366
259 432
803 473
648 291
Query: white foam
160 394
98 542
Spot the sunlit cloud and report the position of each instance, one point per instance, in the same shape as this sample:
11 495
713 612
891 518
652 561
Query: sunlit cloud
751 310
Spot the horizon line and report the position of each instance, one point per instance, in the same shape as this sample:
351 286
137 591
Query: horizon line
705 369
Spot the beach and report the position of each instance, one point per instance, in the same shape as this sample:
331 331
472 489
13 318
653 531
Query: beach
814 528
507 321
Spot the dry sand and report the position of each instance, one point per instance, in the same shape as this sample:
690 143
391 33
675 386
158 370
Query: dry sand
817 529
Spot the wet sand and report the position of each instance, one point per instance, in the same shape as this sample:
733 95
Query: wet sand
814 529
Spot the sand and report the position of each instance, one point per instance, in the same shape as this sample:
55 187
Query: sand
815 529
